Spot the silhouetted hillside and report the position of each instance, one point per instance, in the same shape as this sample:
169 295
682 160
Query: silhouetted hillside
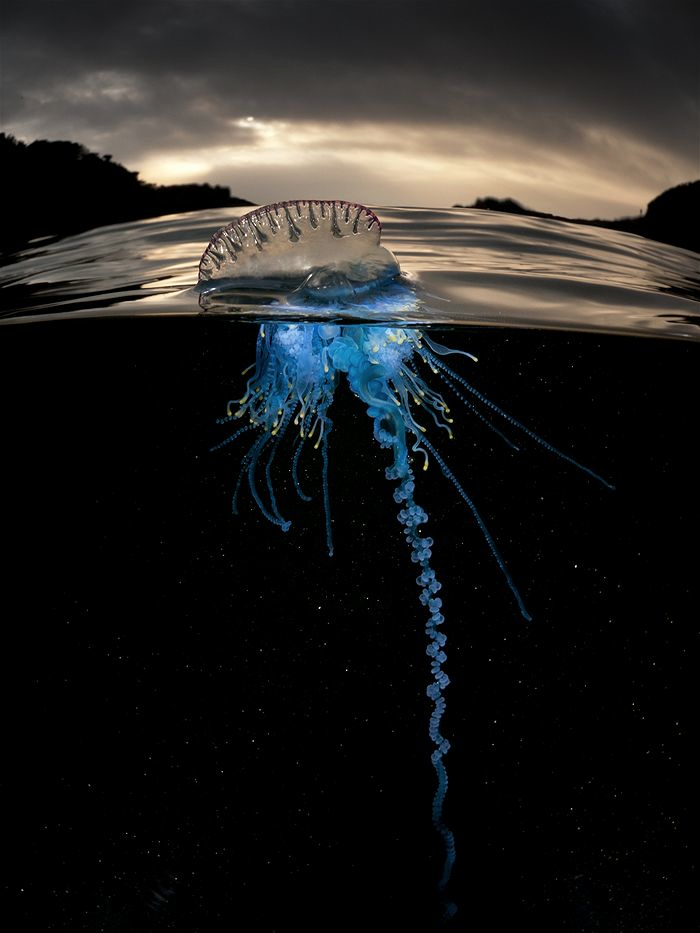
507 205
672 217
56 188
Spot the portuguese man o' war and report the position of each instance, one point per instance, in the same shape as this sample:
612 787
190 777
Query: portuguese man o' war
326 253
319 249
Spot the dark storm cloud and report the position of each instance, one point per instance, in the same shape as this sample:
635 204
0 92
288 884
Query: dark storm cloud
177 73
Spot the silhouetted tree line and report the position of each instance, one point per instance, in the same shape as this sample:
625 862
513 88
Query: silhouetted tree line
54 188
57 188
672 217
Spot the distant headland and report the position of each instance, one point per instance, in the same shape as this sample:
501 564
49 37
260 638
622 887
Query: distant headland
58 188
672 217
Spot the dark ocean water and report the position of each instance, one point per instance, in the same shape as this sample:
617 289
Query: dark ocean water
212 725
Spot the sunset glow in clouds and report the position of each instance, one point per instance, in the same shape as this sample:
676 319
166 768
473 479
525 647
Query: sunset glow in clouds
582 109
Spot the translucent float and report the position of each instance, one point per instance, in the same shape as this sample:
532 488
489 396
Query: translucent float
321 249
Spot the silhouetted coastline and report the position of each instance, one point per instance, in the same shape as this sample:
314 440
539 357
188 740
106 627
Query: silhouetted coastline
672 217
55 188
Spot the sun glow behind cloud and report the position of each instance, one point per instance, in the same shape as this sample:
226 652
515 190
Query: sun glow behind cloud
402 164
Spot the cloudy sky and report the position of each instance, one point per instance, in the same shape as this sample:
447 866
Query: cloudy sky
579 107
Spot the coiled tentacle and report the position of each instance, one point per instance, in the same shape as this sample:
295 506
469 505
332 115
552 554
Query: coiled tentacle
412 516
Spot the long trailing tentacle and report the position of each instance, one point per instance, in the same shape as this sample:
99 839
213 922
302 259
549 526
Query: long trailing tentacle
445 374
514 421
232 437
268 470
326 494
295 469
258 447
482 527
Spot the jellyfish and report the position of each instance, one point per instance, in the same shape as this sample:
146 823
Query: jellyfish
320 256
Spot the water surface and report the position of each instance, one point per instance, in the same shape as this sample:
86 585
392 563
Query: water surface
466 267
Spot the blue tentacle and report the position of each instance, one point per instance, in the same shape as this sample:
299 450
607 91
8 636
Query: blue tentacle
517 424
255 454
482 527
295 470
328 424
268 470
412 516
